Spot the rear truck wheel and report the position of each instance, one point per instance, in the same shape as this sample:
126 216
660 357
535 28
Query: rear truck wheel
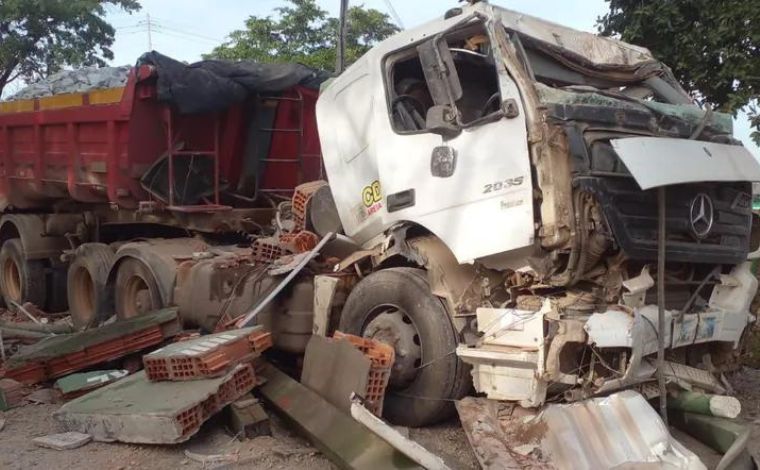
136 291
396 306
89 299
21 280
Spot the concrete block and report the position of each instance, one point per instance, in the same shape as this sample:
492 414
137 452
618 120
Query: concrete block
247 418
203 357
63 441
335 369
139 411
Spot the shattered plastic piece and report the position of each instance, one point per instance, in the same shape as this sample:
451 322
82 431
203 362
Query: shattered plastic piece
139 411
63 441
205 356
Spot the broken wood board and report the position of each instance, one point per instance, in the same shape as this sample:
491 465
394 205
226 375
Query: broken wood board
139 411
342 439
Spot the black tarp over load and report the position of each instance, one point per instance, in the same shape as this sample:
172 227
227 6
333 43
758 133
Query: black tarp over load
214 85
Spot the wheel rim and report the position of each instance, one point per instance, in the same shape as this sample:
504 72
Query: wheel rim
392 325
137 299
82 295
12 280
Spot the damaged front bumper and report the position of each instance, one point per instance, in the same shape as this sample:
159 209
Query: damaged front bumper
524 356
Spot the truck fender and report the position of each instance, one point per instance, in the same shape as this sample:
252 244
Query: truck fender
449 280
30 229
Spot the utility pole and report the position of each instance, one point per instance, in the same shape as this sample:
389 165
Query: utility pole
342 32
149 25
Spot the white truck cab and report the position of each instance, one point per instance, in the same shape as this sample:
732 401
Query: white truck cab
500 172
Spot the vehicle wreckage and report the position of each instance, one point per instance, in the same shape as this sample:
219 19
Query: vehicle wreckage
499 191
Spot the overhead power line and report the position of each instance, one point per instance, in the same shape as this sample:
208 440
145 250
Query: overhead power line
394 14
152 25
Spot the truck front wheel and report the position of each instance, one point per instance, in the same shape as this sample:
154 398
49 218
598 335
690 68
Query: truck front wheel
21 280
396 306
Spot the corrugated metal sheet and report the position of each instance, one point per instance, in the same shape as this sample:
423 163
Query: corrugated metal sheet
621 430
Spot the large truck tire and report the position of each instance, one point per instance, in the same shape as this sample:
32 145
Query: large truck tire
90 302
396 306
21 280
136 290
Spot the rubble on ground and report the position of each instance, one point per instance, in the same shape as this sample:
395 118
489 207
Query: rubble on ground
146 381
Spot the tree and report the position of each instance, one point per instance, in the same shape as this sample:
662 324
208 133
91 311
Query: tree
39 37
303 32
713 46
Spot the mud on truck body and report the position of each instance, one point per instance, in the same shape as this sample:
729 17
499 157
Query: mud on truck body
491 213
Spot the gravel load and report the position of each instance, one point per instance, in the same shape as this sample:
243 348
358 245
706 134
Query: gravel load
75 81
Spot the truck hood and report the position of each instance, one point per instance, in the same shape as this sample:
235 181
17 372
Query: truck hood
688 161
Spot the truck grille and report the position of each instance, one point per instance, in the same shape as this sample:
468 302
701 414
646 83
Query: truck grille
632 216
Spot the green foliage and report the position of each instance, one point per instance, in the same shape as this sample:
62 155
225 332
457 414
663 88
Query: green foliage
303 32
39 37
713 46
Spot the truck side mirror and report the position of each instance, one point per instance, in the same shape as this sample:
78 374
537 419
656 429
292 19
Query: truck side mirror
440 71
441 120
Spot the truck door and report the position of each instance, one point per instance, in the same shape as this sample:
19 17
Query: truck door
455 159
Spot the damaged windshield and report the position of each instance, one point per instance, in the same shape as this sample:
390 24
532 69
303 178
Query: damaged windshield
560 68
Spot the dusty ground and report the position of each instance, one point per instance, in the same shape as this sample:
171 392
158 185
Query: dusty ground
284 450
281 451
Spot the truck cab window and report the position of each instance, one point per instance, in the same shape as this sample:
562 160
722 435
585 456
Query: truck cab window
410 97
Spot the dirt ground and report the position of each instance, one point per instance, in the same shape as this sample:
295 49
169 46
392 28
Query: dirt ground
283 450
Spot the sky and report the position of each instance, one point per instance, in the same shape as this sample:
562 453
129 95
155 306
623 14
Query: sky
185 29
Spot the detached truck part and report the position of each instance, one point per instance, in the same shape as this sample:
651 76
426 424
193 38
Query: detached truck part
494 177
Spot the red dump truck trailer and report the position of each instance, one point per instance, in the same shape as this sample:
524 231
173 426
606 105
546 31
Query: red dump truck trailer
82 173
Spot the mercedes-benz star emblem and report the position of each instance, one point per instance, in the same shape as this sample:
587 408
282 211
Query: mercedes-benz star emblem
701 215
